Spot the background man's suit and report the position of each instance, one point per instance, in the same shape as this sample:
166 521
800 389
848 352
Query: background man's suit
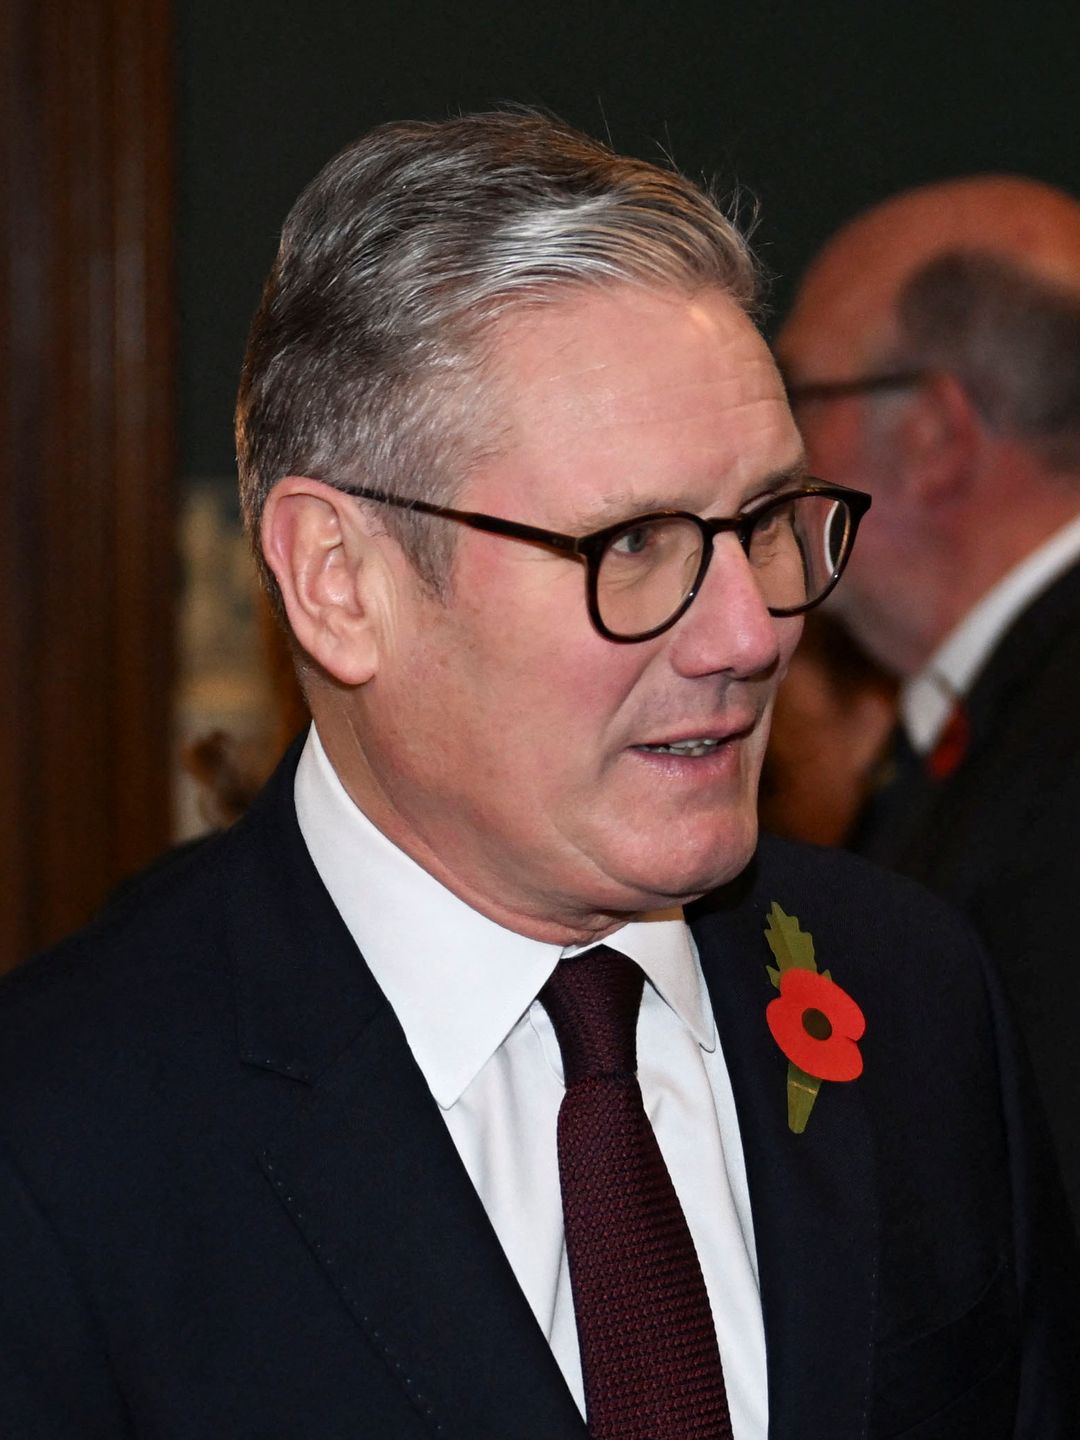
229 1206
1000 838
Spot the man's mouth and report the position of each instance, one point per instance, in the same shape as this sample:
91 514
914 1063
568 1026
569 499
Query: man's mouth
692 748
699 747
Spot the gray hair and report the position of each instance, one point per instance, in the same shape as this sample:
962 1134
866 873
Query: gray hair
396 263
1010 337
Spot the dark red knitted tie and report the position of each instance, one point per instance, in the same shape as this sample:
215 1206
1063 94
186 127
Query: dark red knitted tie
649 1355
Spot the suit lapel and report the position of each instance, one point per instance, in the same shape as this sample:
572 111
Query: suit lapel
374 1184
1022 650
812 1195
358 1154
1036 656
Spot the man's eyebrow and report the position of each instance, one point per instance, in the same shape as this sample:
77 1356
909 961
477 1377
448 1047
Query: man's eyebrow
788 478
620 506
614 508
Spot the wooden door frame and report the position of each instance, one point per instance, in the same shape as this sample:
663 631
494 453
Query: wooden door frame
87 429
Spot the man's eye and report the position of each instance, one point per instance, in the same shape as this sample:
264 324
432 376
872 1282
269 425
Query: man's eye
774 519
634 541
768 524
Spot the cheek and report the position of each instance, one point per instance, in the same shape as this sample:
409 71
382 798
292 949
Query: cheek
511 692
565 699
504 701
536 658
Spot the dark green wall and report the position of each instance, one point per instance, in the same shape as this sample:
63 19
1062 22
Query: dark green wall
817 107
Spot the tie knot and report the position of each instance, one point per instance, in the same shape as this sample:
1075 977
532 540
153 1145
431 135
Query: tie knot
593 1000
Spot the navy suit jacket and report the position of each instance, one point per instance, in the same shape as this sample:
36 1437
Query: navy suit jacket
229 1206
1000 839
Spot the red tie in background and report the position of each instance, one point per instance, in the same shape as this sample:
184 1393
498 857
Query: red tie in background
952 744
649 1355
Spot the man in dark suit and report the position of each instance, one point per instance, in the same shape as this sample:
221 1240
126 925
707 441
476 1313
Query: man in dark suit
417 1104
933 357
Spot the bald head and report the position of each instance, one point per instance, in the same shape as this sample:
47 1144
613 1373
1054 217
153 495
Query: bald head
960 301
845 314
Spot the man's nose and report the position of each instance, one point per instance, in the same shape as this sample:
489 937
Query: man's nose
728 628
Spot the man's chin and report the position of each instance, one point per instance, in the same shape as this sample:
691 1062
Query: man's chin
682 879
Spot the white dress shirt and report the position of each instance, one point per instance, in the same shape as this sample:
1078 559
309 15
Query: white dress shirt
464 991
927 699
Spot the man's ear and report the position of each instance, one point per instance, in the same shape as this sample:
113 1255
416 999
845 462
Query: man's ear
318 543
941 439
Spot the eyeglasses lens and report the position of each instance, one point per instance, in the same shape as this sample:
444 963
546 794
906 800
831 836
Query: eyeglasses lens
795 546
646 573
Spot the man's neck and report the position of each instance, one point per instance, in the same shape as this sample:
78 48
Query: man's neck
465 872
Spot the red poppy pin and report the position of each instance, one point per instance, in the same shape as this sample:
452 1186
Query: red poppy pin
815 1023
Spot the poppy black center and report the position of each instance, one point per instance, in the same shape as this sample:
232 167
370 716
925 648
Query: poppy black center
817 1025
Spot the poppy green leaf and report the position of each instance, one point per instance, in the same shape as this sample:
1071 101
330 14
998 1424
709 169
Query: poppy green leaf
792 946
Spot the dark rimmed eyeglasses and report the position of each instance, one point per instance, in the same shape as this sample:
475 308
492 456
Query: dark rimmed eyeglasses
861 385
643 573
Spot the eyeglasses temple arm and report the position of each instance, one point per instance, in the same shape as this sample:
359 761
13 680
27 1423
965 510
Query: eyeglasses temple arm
569 544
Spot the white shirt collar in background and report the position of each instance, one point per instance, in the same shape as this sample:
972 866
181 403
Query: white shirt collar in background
927 699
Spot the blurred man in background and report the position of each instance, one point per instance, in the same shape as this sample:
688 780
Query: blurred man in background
933 358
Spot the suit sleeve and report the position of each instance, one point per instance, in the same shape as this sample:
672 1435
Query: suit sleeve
55 1381
1045 1247
1024 912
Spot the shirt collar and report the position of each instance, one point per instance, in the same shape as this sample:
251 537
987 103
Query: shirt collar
927 698
457 981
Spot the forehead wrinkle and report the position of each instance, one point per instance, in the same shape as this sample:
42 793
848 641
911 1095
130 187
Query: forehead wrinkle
625 412
567 387
616 505
532 383
744 473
